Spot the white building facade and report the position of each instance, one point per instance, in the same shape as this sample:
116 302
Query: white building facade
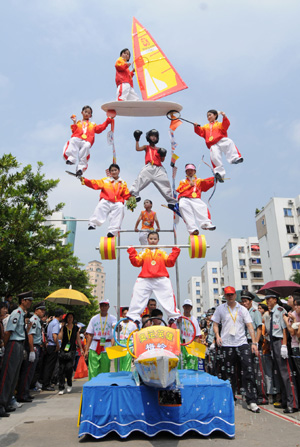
242 264
194 294
212 280
97 276
277 226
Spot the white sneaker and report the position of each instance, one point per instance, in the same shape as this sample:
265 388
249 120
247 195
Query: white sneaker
16 404
253 407
209 227
69 389
61 392
38 385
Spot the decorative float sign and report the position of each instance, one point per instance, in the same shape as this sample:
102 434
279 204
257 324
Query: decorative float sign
156 337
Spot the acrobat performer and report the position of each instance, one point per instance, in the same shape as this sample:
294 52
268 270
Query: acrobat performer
154 278
82 139
114 192
191 207
215 135
148 218
153 171
125 91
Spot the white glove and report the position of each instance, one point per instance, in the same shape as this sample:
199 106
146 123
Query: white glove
284 352
31 357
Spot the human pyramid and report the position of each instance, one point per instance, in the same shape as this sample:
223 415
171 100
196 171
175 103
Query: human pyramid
154 277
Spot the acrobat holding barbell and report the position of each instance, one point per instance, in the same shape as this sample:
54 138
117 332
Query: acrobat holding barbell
154 277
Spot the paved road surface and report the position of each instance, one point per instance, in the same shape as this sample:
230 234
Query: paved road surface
51 421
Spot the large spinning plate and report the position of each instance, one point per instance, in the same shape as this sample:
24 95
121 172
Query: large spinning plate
141 108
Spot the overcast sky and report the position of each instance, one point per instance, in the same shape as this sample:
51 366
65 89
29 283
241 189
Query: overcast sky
238 56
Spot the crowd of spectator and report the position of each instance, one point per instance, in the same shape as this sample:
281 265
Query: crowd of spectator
255 347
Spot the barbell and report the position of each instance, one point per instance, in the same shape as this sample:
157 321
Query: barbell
196 245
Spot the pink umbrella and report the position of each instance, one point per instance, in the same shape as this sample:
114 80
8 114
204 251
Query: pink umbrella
282 288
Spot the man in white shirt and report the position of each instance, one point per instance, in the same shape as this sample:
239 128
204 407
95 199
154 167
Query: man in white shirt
233 342
99 337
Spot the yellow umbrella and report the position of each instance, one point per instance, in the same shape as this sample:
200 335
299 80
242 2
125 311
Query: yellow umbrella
68 297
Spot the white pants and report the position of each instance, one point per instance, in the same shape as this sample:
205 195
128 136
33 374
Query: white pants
226 146
156 175
193 211
143 237
115 213
126 93
77 148
163 292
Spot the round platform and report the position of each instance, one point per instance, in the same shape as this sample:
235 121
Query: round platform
141 108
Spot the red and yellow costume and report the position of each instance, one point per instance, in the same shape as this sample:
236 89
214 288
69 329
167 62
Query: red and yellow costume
124 82
153 278
213 132
191 207
111 203
215 135
81 141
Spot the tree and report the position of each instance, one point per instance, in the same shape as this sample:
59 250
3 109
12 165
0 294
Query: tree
295 277
32 255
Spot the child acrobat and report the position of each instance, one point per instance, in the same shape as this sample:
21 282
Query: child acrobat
114 192
82 139
154 278
125 91
191 207
148 218
215 135
153 171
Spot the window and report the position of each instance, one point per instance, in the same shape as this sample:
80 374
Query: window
296 265
214 270
199 309
298 211
287 212
216 291
292 244
197 292
255 261
257 275
243 275
197 284
198 300
242 261
215 280
244 287
290 229
241 249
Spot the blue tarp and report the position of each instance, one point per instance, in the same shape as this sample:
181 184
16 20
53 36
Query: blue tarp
113 402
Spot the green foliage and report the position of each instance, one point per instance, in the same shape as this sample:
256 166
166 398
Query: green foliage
32 254
295 277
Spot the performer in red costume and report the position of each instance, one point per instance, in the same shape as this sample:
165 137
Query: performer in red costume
153 171
148 218
215 135
82 139
125 91
154 278
191 207
114 192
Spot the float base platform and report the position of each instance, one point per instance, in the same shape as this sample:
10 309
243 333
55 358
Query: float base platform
112 402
